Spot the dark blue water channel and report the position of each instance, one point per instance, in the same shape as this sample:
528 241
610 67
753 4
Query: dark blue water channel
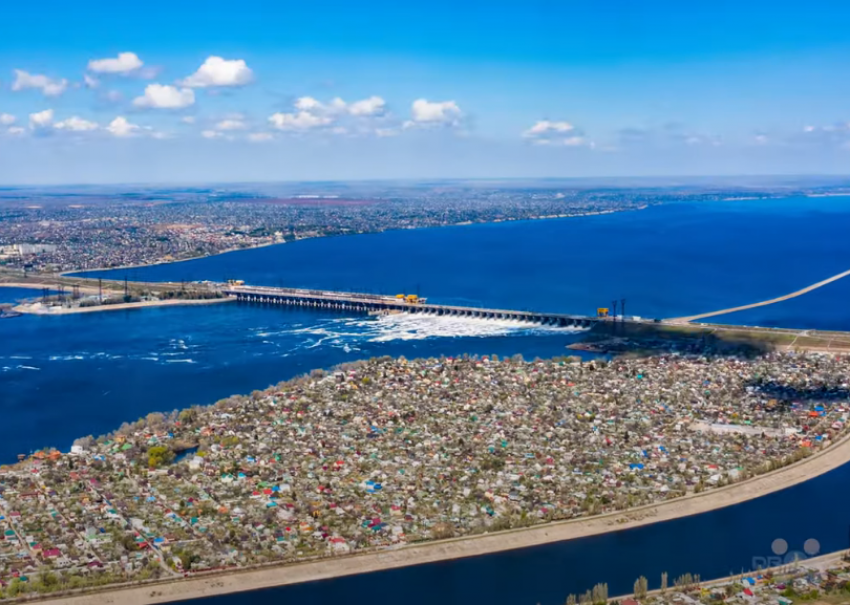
64 377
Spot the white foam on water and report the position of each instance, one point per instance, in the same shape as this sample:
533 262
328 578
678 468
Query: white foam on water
180 361
419 327
66 357
28 368
345 333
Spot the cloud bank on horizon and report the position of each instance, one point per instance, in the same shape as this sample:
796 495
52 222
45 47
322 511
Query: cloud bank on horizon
246 95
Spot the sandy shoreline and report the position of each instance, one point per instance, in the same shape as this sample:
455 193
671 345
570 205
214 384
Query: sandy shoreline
31 310
417 554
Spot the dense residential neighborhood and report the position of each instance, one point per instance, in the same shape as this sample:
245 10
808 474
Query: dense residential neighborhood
386 452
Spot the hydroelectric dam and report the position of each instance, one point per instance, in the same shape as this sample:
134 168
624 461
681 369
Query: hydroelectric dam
377 304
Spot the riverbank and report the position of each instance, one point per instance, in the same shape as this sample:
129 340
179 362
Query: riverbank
642 338
416 554
821 562
174 261
75 272
39 309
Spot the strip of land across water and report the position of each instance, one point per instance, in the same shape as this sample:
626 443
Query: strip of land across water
40 309
180 295
763 303
280 575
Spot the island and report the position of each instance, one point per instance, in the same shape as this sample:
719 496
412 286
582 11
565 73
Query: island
390 462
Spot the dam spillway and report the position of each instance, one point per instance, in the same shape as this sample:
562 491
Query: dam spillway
375 303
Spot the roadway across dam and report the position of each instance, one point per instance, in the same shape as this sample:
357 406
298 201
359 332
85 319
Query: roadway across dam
375 303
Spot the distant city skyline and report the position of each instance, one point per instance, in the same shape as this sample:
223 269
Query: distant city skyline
92 92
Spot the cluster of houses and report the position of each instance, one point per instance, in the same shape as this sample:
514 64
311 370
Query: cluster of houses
386 452
826 581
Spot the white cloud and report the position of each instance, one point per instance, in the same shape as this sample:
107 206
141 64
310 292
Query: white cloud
120 127
372 106
426 112
41 119
16 130
302 120
313 114
90 81
211 134
230 125
48 86
259 137
546 132
188 119
386 132
308 104
546 127
161 96
76 124
219 72
6 119
124 63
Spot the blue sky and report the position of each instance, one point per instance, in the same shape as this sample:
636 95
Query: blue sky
188 91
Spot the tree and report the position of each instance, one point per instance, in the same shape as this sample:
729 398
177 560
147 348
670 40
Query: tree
442 530
640 588
84 442
155 420
159 455
187 416
684 581
571 600
663 582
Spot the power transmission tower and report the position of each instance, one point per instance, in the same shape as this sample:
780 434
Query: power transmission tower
623 308
614 316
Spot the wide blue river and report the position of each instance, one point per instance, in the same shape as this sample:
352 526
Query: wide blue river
64 377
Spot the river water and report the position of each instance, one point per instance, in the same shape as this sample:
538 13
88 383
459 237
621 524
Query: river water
64 377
